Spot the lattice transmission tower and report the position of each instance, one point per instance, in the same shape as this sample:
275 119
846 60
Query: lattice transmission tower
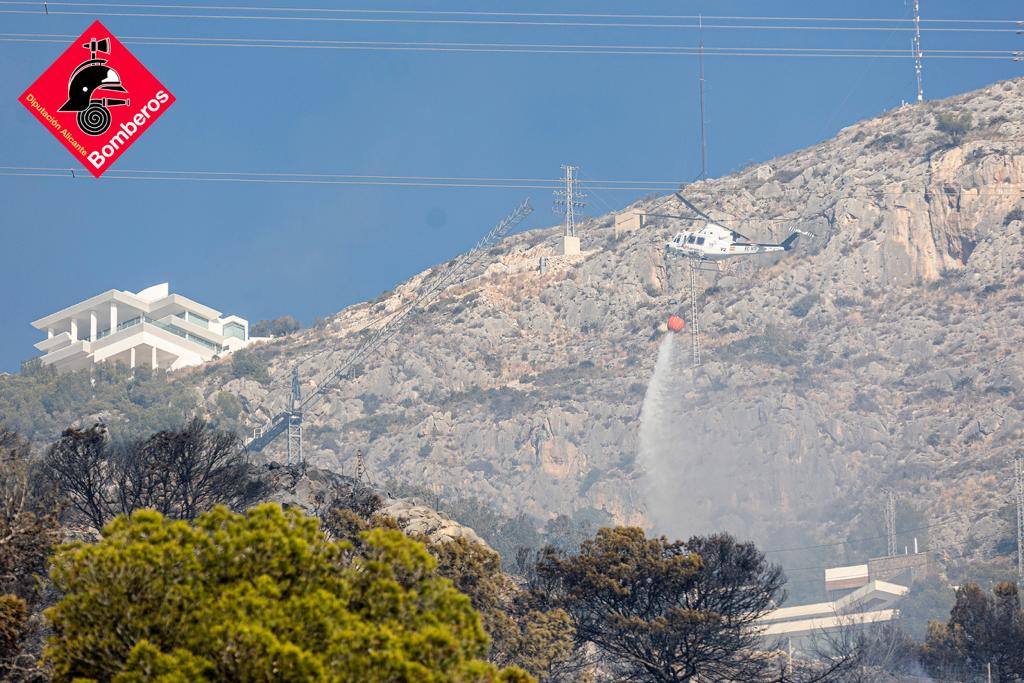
569 199
295 420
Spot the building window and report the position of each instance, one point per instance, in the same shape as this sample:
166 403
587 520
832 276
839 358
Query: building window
234 330
197 320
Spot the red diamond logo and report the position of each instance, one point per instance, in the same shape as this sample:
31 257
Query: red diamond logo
97 99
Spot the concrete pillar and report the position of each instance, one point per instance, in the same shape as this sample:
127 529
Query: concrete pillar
74 330
152 357
92 326
113 318
131 358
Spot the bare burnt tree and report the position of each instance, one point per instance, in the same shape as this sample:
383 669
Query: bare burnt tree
79 465
179 473
205 466
667 611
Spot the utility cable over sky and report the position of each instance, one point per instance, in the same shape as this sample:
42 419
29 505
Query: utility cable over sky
533 48
487 18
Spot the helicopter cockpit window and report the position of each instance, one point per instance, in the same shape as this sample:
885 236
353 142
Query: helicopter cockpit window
700 240
689 239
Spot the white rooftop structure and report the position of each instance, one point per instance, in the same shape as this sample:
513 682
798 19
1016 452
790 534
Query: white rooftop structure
842 578
152 328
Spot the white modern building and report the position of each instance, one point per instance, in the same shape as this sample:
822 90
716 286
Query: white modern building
872 603
862 596
152 328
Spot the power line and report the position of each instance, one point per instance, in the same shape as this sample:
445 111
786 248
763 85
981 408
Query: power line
470 182
509 14
526 48
113 175
417 20
556 181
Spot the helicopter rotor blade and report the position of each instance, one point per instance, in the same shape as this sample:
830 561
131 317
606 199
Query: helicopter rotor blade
686 202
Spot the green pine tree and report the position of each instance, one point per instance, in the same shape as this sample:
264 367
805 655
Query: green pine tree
260 597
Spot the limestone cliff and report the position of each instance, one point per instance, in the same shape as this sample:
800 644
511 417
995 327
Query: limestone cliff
883 352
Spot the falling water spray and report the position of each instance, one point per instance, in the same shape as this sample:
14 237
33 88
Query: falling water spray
661 438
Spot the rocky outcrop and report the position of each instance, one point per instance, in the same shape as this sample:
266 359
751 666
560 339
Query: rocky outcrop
422 521
315 491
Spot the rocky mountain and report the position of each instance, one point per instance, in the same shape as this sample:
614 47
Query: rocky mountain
884 352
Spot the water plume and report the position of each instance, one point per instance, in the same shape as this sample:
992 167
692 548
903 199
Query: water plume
661 440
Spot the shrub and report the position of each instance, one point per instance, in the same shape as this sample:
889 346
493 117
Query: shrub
260 597
803 305
40 403
13 616
889 140
278 327
245 364
953 125
1016 214
228 404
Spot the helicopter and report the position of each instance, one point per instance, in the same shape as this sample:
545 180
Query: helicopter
715 242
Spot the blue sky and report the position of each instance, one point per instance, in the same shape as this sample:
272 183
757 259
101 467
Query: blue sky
266 250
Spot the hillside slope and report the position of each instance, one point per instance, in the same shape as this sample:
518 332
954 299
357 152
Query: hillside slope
884 352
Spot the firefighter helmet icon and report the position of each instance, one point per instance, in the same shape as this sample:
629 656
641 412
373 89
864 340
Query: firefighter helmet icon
87 89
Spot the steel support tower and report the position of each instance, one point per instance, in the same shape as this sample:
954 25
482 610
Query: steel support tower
361 468
295 420
569 199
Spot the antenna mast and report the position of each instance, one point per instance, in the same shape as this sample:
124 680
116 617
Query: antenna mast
918 68
700 80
